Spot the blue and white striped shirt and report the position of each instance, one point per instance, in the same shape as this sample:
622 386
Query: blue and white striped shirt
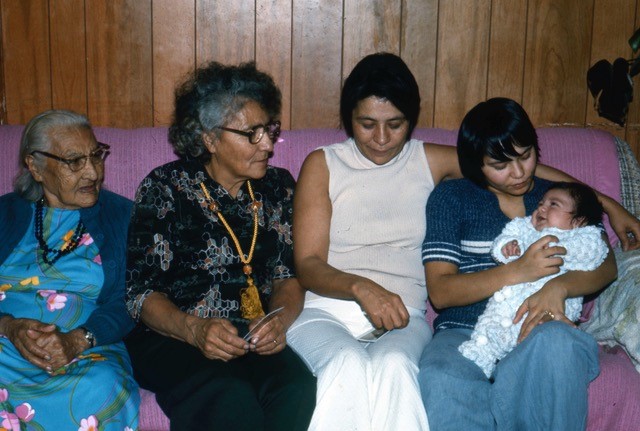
462 222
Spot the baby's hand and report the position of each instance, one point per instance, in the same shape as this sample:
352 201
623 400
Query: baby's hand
511 249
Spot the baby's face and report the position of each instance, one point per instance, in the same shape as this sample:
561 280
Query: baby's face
556 209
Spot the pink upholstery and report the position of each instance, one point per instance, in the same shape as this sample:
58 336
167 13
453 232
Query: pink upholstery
589 155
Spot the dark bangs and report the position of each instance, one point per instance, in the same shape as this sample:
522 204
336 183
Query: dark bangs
495 128
507 149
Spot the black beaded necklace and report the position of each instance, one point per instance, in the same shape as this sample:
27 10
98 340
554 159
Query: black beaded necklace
57 254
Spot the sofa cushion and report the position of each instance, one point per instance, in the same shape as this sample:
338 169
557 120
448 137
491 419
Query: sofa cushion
151 416
614 396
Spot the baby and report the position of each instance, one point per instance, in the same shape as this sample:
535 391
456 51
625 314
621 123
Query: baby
569 211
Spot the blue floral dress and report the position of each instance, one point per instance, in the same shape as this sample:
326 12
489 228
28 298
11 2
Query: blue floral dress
96 391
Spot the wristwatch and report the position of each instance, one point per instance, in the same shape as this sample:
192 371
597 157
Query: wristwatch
88 335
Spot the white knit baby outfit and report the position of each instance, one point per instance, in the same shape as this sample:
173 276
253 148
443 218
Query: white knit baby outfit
495 335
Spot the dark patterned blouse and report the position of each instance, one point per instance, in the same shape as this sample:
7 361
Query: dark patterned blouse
179 247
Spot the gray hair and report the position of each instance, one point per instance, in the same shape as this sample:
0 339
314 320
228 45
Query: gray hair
211 96
37 136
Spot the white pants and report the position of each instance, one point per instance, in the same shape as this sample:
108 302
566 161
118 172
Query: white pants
362 386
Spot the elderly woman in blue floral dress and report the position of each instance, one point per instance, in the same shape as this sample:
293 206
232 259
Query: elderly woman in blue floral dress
63 365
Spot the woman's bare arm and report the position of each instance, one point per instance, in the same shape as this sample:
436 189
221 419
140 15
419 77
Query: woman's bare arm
443 162
312 212
448 287
289 295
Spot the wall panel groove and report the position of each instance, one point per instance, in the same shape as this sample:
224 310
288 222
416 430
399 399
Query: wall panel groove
119 61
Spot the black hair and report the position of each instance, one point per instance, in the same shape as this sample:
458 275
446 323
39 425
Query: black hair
493 128
382 75
588 207
211 96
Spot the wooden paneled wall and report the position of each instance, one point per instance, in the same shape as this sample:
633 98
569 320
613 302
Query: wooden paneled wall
119 60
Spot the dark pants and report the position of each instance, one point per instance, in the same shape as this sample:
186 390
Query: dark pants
253 392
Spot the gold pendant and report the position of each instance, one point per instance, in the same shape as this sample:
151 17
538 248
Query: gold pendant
251 307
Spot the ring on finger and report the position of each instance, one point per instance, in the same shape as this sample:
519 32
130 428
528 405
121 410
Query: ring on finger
550 314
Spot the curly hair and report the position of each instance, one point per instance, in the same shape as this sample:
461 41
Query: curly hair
210 97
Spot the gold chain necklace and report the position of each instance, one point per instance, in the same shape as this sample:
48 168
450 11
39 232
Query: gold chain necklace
250 305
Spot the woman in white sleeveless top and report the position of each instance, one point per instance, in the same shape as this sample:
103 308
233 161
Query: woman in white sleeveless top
358 227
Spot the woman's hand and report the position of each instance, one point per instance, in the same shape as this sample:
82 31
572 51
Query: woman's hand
549 302
62 347
384 309
543 306
540 260
270 338
625 225
216 338
24 335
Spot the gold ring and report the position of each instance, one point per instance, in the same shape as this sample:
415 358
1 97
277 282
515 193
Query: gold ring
550 314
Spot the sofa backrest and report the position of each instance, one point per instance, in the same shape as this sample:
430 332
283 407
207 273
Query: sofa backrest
587 154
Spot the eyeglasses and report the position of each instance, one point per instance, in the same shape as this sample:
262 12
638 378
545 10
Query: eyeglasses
77 164
255 135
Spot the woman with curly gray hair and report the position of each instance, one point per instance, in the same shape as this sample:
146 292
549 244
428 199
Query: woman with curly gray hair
210 254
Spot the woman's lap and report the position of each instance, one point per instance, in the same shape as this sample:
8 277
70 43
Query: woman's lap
262 389
358 377
408 342
98 384
543 381
319 338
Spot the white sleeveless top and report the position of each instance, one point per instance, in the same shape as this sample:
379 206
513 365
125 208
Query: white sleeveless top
378 222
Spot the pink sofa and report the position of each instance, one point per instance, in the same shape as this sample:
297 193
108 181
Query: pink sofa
590 155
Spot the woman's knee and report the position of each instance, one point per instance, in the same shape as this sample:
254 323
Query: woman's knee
295 392
433 373
347 359
558 346
439 370
558 338
393 364
214 403
295 380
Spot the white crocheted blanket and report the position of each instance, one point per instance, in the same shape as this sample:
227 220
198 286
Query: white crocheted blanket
495 335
